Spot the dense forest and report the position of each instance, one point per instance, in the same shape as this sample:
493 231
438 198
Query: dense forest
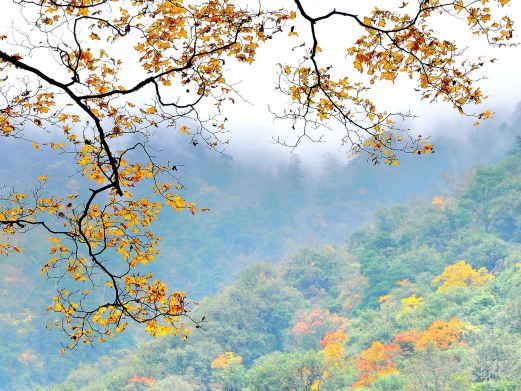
427 297
434 283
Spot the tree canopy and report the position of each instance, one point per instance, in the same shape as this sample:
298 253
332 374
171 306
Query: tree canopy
96 80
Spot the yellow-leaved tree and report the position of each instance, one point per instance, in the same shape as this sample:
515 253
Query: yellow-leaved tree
461 274
101 77
224 359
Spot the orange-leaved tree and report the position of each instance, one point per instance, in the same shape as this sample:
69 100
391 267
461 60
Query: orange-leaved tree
440 334
100 76
375 361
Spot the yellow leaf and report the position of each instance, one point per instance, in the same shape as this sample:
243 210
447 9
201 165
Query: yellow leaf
184 129
486 114
358 65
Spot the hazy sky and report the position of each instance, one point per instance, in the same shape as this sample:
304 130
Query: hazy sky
251 124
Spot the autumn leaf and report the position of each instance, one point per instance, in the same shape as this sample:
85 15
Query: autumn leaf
358 65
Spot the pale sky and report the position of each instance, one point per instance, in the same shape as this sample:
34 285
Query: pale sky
252 127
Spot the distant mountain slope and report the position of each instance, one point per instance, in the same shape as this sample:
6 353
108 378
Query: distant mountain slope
260 214
426 297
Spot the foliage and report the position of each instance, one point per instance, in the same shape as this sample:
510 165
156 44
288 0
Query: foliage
116 72
439 334
461 274
375 361
410 303
287 371
333 350
223 360
292 332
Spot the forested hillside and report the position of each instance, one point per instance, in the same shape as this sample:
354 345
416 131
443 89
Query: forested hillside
427 297
296 207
